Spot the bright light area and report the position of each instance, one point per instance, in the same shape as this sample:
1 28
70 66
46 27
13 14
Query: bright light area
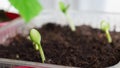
5 5
112 5
94 5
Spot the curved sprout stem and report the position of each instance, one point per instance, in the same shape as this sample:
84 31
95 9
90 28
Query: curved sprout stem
71 23
41 53
108 36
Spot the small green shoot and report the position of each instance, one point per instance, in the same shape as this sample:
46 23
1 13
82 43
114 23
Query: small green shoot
36 38
64 8
105 27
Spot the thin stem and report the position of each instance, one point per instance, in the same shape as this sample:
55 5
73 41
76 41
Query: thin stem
71 23
108 36
41 53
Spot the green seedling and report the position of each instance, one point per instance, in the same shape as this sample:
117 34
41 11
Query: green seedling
105 27
64 8
28 9
36 38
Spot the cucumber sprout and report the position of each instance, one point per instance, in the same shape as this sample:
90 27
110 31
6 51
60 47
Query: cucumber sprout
105 27
36 38
64 8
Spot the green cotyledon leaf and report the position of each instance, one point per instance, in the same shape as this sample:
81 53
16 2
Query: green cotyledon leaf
105 25
63 7
28 9
35 36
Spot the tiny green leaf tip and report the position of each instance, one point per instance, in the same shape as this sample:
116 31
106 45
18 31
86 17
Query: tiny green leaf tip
35 36
63 7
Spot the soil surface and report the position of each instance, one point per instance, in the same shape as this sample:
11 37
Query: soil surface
86 47
3 16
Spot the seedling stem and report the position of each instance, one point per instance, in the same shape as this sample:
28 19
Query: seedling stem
108 36
41 53
71 23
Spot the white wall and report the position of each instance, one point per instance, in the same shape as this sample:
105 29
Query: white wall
100 5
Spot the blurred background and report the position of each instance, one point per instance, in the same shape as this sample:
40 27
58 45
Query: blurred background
79 5
83 11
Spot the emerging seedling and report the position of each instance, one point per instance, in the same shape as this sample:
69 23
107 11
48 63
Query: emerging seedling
28 9
36 38
64 8
105 27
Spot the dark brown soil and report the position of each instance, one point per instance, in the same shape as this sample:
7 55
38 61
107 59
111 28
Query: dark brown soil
3 16
86 47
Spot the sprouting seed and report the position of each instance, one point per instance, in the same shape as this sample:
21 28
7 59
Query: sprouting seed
36 38
64 8
105 27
